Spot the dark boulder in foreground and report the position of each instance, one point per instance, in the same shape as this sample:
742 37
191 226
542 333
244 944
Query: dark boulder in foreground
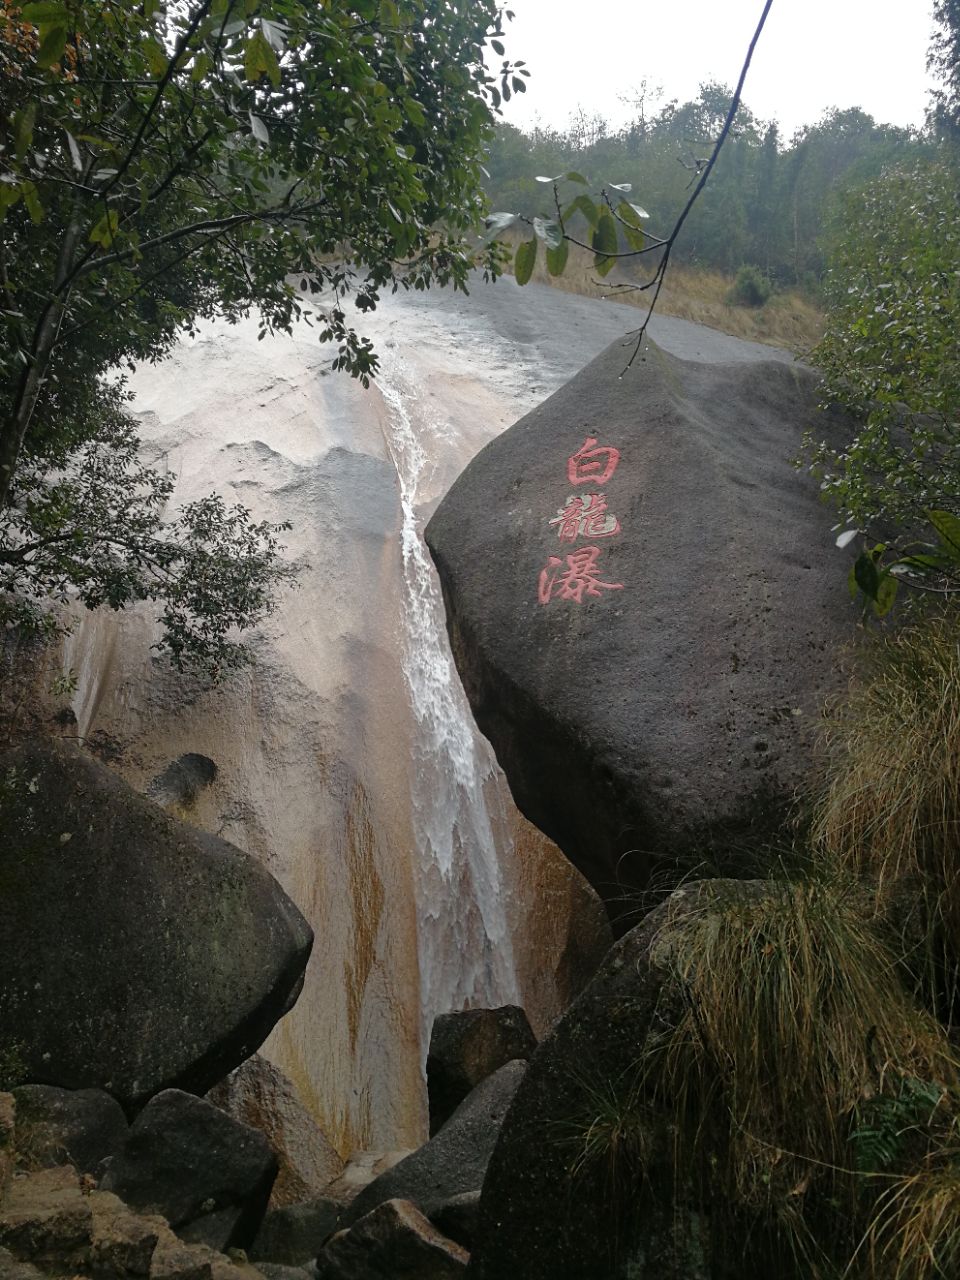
644 601
208 1174
556 1204
393 1242
136 953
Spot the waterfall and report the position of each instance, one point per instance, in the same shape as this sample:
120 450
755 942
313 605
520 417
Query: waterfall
465 948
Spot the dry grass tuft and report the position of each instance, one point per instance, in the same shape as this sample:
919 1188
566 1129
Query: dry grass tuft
891 805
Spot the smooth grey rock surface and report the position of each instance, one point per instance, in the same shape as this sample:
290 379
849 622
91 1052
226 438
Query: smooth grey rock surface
650 677
136 953
455 1160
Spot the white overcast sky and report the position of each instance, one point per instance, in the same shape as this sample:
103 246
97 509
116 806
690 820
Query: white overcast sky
813 54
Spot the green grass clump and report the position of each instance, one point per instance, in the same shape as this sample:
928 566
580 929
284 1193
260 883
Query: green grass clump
756 1105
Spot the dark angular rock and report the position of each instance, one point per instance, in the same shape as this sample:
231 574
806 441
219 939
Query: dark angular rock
467 1047
55 1126
537 1218
393 1242
296 1233
643 598
458 1217
135 952
209 1175
455 1160
280 1271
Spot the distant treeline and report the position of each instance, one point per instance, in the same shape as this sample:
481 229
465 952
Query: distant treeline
768 203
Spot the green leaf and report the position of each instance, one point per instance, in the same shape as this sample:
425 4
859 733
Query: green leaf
156 57
887 587
548 230
32 201
53 41
525 261
23 123
259 129
557 258
573 176
105 231
45 11
583 204
497 222
604 243
947 526
260 59
866 575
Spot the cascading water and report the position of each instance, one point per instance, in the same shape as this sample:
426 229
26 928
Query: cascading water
465 949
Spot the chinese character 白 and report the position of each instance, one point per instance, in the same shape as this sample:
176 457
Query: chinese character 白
592 465
585 517
580 577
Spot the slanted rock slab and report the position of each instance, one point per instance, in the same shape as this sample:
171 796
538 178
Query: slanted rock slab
46 1217
645 604
467 1047
456 1159
136 953
209 1175
393 1242
258 1094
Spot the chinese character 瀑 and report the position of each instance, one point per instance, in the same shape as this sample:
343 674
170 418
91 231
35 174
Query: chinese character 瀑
585 517
592 465
581 577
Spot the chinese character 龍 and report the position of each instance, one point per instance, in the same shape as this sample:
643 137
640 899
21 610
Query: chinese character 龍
585 517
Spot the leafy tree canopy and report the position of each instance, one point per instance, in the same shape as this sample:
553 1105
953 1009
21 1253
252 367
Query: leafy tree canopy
160 163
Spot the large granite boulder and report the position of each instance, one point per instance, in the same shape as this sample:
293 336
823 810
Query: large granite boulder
454 1161
208 1174
546 1212
260 1095
644 601
135 952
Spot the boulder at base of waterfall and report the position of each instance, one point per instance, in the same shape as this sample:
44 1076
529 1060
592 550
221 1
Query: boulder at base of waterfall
393 1242
208 1174
456 1159
557 1204
457 1218
260 1095
81 1127
645 604
135 952
467 1047
296 1233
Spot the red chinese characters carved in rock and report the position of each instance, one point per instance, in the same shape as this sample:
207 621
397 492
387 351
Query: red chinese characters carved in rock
592 465
580 578
585 517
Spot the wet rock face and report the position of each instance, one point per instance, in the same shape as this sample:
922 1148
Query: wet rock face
644 601
135 952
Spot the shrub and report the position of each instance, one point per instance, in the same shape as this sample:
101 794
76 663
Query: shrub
751 288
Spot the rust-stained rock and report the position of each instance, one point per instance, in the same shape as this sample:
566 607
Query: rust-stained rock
394 1242
258 1094
123 1242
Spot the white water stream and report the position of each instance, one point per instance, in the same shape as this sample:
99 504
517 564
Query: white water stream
464 946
